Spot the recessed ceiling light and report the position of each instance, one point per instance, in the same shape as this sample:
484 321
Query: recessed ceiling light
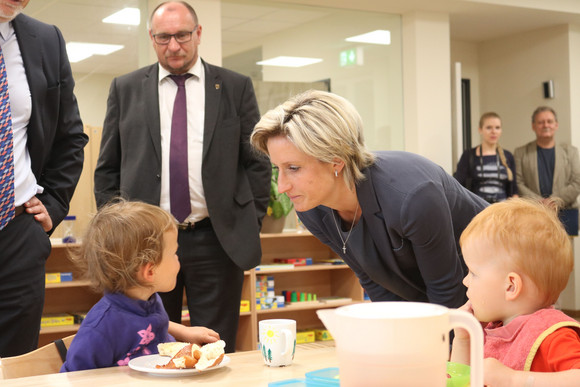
130 16
289 61
78 51
374 37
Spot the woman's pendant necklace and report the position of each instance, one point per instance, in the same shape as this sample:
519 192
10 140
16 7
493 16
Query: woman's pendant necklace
349 231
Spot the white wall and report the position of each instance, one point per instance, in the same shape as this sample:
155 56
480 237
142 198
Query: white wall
427 86
91 91
574 50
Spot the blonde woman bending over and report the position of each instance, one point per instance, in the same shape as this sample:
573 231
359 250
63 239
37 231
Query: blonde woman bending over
394 217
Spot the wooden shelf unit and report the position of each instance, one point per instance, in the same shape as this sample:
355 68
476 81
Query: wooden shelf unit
322 279
65 297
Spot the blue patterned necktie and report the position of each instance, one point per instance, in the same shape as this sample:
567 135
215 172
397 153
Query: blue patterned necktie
178 173
6 150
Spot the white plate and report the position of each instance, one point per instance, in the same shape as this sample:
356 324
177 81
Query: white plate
148 363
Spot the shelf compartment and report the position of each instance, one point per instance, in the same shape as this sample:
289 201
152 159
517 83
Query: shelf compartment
307 306
293 245
339 282
63 300
69 284
313 267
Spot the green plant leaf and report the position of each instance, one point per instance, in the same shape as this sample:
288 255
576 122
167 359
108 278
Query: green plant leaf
280 204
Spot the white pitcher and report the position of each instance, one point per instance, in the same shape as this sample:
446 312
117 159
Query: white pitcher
399 343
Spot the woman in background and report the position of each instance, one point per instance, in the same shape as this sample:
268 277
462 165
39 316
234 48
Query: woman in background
393 217
488 170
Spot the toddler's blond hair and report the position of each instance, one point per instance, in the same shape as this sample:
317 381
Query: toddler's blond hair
534 238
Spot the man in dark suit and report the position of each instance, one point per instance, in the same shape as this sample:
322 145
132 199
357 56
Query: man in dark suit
228 183
48 142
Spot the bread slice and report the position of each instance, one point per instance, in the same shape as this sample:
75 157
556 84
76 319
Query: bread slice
170 349
212 354
186 357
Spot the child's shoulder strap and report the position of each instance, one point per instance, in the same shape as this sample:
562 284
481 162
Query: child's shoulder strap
562 324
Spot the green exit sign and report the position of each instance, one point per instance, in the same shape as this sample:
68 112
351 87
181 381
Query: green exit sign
348 58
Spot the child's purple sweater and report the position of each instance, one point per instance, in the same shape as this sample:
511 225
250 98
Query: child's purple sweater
116 330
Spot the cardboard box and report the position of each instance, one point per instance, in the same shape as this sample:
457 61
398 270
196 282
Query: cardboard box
322 335
294 261
79 317
267 303
66 277
53 320
244 306
54 278
305 336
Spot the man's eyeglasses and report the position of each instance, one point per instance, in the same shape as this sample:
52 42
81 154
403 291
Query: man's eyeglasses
180 37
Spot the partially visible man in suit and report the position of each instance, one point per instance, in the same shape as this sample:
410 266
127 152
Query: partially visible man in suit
226 185
45 137
545 169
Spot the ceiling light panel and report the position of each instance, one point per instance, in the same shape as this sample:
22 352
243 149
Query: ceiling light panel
289 61
78 51
374 37
128 16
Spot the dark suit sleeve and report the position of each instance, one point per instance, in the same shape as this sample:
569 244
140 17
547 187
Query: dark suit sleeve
65 155
258 167
428 223
108 169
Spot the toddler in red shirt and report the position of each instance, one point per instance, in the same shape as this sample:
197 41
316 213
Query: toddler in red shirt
520 258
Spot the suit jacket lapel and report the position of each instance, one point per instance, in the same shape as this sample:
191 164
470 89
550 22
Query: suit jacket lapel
392 279
150 87
213 93
559 169
32 55
372 213
532 163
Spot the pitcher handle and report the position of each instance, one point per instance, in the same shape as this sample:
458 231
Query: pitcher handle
288 340
465 320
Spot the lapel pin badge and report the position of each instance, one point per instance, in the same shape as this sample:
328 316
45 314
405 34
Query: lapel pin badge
217 86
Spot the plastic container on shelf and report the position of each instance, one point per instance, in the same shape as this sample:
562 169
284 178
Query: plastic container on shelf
68 225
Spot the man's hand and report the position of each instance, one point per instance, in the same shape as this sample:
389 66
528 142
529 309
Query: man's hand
34 206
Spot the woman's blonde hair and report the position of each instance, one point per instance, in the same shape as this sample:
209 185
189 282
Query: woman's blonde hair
500 151
322 125
121 238
533 236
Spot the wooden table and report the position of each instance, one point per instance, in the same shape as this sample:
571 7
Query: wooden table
246 369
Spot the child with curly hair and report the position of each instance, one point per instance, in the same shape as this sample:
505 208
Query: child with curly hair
129 253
